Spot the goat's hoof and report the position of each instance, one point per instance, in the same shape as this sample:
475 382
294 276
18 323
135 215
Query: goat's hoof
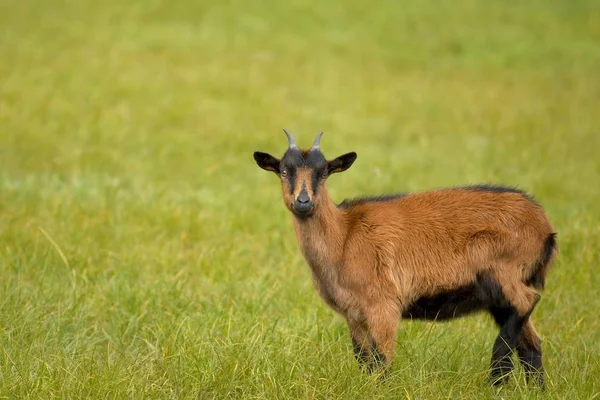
498 378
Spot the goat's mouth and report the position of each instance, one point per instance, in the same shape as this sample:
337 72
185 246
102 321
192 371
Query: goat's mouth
303 211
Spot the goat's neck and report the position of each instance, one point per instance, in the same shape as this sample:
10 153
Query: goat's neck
321 236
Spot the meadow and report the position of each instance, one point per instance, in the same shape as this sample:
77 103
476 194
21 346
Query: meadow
143 254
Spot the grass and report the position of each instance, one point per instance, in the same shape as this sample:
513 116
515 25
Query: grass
144 255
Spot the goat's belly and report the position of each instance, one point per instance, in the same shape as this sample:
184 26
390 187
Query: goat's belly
445 305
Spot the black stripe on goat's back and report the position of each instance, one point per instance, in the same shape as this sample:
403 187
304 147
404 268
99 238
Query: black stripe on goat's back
347 203
369 199
495 189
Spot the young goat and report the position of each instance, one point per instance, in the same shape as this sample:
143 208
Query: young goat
434 255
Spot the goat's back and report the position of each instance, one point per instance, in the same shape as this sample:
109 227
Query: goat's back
444 238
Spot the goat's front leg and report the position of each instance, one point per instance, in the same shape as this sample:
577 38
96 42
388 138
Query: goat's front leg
361 343
382 322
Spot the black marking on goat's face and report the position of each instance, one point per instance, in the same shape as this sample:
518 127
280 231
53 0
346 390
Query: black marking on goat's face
302 172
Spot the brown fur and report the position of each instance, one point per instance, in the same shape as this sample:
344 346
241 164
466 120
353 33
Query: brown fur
372 260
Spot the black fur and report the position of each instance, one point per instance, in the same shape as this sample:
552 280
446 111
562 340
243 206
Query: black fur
491 291
316 161
360 353
537 279
266 161
341 163
311 159
480 295
507 341
529 356
347 203
481 188
500 315
292 178
483 294
379 359
497 189
493 188
531 360
446 305
504 345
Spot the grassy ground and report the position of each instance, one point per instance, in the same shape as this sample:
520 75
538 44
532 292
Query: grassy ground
144 255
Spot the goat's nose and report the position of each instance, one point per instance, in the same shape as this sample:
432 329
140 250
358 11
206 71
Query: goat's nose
303 198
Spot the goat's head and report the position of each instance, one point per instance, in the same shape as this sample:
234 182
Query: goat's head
302 173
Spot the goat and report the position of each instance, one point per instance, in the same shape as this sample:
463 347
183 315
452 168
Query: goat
433 255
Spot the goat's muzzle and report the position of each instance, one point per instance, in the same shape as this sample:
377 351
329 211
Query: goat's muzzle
303 205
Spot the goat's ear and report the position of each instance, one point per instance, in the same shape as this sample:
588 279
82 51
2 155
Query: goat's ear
267 161
341 163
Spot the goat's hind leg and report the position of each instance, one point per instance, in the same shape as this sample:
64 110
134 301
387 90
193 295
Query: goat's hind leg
502 364
529 349
511 304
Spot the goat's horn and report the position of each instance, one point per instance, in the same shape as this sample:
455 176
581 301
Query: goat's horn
317 143
291 142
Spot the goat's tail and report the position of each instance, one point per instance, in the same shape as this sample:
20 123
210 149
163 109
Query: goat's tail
538 277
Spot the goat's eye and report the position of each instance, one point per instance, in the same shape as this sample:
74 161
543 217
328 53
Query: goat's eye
283 173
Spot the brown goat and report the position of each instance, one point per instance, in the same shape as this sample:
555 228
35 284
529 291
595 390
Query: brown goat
435 255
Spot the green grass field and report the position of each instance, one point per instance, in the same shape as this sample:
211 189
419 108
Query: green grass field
143 254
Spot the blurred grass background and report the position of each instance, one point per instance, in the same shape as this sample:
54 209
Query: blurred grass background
144 255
